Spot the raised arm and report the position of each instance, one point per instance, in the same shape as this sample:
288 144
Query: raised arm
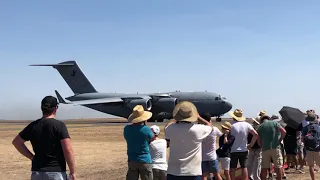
229 141
283 132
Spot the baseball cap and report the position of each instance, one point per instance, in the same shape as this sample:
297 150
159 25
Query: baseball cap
49 102
155 129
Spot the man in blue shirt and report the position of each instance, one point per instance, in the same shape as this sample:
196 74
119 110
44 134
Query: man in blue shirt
311 139
138 137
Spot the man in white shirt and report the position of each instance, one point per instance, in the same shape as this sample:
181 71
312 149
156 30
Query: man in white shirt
239 150
210 163
185 140
158 151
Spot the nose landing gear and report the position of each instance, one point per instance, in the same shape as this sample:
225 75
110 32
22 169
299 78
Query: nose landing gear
218 119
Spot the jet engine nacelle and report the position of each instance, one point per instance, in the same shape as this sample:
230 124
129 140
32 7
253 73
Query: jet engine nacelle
146 103
167 104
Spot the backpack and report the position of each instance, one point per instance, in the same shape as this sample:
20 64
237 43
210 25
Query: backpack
311 139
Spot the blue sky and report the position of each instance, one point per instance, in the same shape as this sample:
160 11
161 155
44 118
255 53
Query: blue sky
259 55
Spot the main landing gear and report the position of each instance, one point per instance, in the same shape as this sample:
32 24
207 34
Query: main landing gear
218 119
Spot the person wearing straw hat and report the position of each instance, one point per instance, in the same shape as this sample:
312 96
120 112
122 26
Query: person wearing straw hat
138 136
239 150
225 143
262 113
271 133
185 137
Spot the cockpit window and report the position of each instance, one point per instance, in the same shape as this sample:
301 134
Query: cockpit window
216 98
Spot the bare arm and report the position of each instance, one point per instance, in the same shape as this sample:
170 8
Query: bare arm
254 137
203 121
68 154
259 141
283 133
18 143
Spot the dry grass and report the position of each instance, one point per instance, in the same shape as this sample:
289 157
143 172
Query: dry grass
100 154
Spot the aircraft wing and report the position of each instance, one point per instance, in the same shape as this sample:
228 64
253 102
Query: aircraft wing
160 95
88 102
96 101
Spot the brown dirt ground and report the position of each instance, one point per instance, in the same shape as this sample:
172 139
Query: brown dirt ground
100 154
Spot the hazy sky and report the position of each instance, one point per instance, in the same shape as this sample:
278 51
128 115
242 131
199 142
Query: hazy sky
258 54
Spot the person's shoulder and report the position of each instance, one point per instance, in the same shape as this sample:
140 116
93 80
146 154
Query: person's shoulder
200 126
127 127
162 141
57 124
34 122
145 129
246 124
216 130
275 123
54 121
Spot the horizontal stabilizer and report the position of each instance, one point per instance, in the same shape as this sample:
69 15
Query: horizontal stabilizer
67 64
96 101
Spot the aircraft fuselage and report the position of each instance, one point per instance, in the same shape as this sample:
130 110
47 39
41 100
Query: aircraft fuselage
213 103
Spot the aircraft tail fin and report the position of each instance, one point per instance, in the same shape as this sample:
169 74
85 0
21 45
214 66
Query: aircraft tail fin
60 99
73 76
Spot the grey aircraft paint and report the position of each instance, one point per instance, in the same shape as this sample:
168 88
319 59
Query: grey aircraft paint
120 104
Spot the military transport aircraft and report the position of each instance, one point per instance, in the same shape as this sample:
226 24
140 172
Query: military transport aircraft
119 104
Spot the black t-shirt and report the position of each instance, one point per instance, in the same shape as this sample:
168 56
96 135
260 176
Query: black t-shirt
249 138
45 136
225 149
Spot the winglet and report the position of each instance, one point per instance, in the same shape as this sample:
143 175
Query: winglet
60 99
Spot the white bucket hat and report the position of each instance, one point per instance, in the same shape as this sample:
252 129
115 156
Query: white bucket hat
155 129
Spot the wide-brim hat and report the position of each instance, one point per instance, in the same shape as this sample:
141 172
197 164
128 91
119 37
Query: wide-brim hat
256 120
185 111
237 115
226 125
262 113
311 117
139 115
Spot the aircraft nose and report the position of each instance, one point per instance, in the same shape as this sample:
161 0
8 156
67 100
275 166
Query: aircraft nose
227 106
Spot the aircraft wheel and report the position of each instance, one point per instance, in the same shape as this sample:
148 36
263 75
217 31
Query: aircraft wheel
218 119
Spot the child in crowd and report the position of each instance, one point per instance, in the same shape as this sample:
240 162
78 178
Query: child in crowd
158 150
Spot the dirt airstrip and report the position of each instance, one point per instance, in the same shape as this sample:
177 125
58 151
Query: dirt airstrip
100 152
